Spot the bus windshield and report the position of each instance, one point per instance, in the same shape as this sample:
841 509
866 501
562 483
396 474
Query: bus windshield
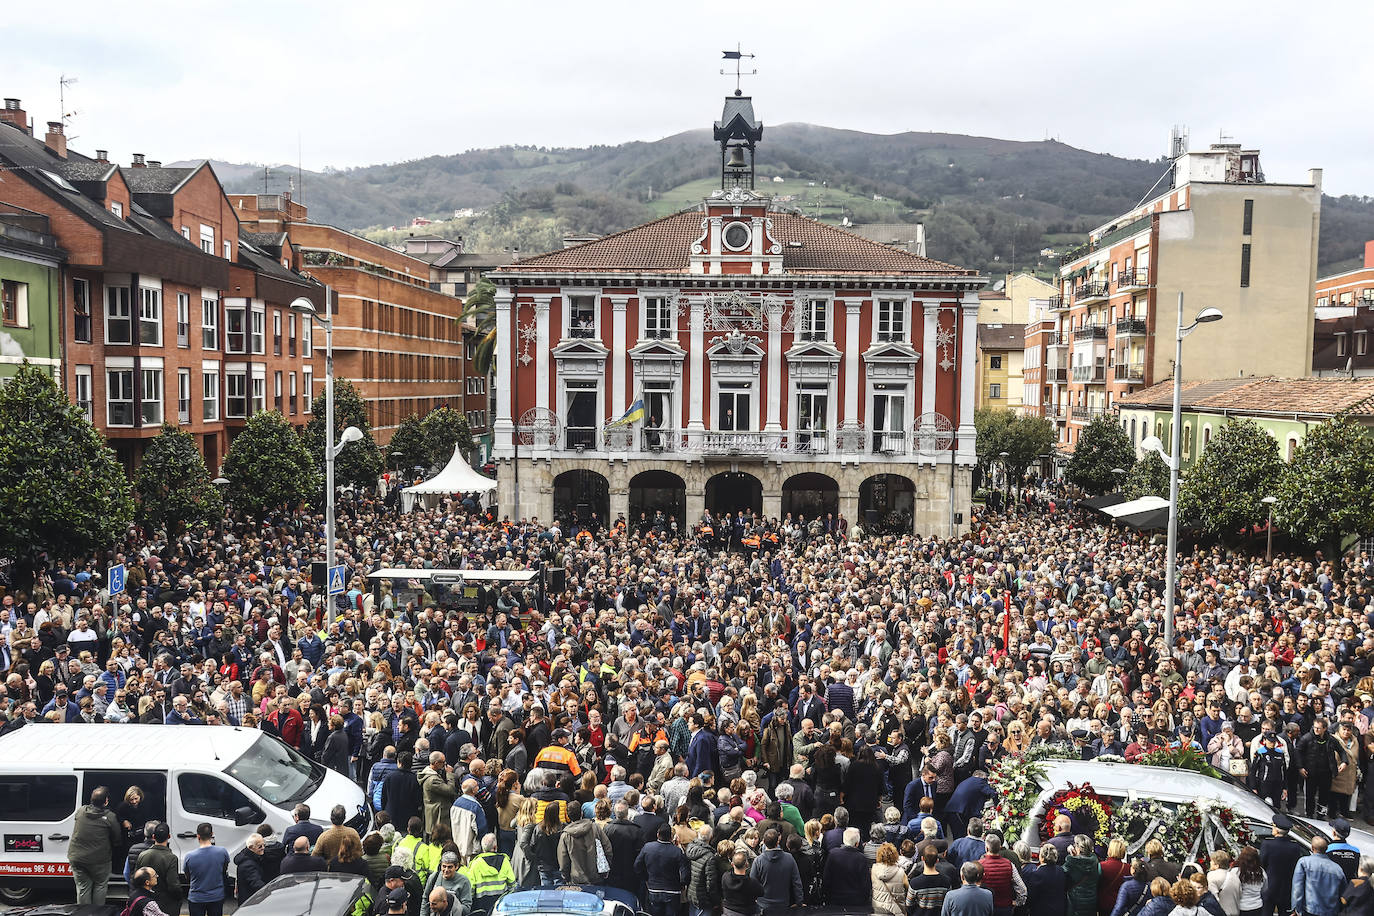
278 773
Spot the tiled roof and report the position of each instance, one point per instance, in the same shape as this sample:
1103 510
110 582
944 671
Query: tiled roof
1001 336
665 245
1310 396
162 180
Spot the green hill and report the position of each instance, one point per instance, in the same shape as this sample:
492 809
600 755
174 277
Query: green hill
980 198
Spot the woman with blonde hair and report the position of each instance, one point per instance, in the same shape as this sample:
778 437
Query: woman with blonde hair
523 859
889 883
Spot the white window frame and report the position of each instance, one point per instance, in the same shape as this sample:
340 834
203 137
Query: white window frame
239 376
812 388
307 336
278 346
209 323
184 396
738 386
902 387
1361 343
898 316
292 347
812 307
150 404
568 329
660 310
228 251
117 208
82 389
995 391
293 394
119 301
183 320
278 393
21 304
307 385
119 390
240 311
207 239
257 330
257 390
150 312
580 385
209 392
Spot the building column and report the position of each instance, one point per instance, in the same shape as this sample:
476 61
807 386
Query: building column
772 502
849 506
968 377
852 308
696 505
775 395
929 356
541 350
618 402
620 502
697 363
504 428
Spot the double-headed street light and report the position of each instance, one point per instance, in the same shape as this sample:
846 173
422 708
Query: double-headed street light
1173 460
331 450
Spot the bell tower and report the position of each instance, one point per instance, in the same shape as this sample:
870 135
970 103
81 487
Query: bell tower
737 132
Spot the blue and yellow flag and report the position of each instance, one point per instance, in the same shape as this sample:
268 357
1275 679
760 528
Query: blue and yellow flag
635 413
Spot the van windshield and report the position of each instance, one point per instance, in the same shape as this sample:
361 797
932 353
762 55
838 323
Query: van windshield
278 773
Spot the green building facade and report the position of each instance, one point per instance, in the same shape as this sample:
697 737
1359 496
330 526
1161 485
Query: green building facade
30 293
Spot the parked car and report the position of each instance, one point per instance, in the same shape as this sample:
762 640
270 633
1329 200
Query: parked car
311 894
1169 786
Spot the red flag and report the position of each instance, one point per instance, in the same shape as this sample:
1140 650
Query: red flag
1006 622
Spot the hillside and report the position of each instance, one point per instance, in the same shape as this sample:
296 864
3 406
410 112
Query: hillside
981 198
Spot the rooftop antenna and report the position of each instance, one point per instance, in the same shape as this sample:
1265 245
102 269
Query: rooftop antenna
63 82
300 172
738 57
266 174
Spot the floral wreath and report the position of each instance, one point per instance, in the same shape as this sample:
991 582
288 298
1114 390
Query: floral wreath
1090 812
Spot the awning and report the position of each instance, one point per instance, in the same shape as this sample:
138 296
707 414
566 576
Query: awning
1136 506
1103 501
1149 520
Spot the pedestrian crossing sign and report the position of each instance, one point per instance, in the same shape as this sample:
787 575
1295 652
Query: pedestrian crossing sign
336 580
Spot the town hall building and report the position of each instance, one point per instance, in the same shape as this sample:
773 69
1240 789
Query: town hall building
737 356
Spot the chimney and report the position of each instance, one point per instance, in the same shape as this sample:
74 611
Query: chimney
154 164
13 114
138 162
1314 178
56 140
1369 253
102 156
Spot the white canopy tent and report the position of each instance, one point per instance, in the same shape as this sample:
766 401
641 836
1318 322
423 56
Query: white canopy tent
456 477
1135 506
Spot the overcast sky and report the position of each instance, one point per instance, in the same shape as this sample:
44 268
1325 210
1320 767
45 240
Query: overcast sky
360 81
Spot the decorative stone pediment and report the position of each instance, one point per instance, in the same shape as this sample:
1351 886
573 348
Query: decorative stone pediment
813 360
658 359
891 361
580 358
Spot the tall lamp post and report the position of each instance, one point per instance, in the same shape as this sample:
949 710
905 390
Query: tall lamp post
1173 460
1006 478
1269 529
1120 475
331 451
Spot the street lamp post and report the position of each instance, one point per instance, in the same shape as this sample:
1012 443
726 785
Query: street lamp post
1006 477
220 483
1173 460
331 451
1269 529
1120 475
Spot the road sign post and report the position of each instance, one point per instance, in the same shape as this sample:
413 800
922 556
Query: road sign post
116 579
336 581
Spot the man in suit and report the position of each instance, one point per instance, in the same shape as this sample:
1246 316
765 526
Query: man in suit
967 801
301 828
649 821
1279 855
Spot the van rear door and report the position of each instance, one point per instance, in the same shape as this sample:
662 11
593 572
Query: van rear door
37 812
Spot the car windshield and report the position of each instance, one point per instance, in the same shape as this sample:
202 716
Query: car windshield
278 773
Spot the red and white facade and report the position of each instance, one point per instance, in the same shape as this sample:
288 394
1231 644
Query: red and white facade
784 365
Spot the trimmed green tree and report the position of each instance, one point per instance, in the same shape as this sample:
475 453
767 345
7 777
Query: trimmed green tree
173 485
1221 491
1149 477
1326 492
1102 446
445 428
63 491
1026 439
409 439
269 467
360 463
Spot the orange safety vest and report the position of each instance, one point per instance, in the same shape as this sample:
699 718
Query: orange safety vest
751 541
707 530
558 757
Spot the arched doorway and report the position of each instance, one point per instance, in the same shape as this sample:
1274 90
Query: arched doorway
652 492
580 494
887 503
732 491
810 496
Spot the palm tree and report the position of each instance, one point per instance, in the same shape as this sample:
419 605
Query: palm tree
480 309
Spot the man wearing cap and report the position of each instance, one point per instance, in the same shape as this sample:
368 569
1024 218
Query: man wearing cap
1341 852
558 756
1279 855
451 880
160 858
400 892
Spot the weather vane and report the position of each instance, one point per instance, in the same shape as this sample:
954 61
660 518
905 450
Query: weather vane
738 57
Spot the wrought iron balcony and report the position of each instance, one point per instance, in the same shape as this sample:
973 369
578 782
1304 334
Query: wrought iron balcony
810 442
735 443
1087 413
889 443
1057 339
1090 332
1133 279
1053 411
580 438
1130 372
1089 374
1126 327
1058 303
659 440
1097 289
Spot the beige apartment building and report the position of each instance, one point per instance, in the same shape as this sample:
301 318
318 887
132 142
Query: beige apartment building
1224 237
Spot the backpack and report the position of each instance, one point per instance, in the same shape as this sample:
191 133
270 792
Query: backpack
137 904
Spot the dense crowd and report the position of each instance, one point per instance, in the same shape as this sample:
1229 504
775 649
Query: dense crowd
733 715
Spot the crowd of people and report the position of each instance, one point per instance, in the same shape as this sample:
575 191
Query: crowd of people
798 713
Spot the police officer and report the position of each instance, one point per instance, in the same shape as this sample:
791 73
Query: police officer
1341 852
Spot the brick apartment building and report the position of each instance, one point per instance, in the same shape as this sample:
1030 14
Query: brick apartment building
1345 321
1223 236
397 339
166 315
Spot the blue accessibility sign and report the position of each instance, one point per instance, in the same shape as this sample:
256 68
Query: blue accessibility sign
336 580
116 579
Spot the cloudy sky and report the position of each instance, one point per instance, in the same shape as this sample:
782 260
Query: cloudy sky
357 81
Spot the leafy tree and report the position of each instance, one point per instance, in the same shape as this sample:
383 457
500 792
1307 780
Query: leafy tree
62 490
1102 446
1023 438
1327 490
1221 492
1149 477
173 485
991 425
445 428
410 440
360 463
269 467
480 308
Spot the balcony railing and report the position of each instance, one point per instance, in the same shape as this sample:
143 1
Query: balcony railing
580 438
810 442
1094 290
1053 411
1090 332
735 443
1057 339
1087 413
1089 374
659 440
1126 327
1130 372
1058 374
1130 279
889 443
1058 303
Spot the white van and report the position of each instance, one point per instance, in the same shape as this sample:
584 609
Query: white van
231 778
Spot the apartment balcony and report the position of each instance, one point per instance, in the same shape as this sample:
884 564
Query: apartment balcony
1129 372
1059 303
1088 414
1053 412
659 440
1136 278
809 442
1130 327
1090 291
889 443
1057 374
1090 375
1090 332
579 438
733 444
1057 339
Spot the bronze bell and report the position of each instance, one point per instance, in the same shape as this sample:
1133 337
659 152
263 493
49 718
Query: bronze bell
736 160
